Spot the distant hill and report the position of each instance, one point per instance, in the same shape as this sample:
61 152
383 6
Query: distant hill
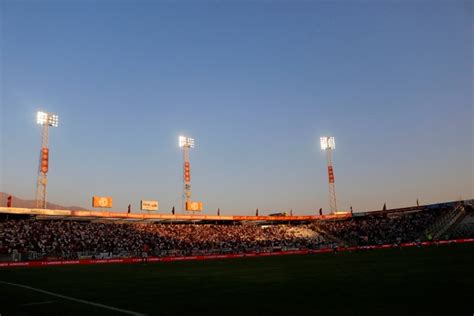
18 202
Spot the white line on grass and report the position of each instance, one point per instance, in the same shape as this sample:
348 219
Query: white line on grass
38 303
124 311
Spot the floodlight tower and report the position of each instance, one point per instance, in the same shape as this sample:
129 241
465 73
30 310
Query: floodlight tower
186 143
46 120
328 144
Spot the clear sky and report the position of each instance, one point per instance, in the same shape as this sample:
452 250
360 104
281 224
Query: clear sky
255 83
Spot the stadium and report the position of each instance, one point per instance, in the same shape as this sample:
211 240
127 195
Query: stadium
179 158
123 263
75 261
48 237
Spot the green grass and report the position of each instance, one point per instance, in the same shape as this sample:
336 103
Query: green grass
435 280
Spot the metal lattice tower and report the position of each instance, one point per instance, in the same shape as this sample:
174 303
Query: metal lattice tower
186 143
328 144
46 120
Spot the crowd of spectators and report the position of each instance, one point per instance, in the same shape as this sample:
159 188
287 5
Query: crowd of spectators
382 228
72 239
66 239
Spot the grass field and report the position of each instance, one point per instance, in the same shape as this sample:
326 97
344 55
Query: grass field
435 280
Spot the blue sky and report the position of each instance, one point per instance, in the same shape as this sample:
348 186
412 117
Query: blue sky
255 83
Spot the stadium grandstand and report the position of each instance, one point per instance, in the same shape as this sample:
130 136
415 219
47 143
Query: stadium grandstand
36 234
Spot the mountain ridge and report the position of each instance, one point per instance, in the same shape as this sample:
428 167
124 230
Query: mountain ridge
25 203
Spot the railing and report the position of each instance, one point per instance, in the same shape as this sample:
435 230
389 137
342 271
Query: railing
438 228
7 258
35 256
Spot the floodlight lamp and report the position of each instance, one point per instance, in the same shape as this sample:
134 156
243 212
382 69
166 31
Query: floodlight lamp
327 142
182 141
332 142
53 120
41 118
324 143
186 142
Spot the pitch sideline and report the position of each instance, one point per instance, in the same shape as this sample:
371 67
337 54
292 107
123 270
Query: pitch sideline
124 311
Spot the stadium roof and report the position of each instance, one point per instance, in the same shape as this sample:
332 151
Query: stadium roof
85 215
135 217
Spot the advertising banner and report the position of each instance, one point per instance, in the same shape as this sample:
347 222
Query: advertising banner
44 160
187 172
331 174
194 206
149 205
102 201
